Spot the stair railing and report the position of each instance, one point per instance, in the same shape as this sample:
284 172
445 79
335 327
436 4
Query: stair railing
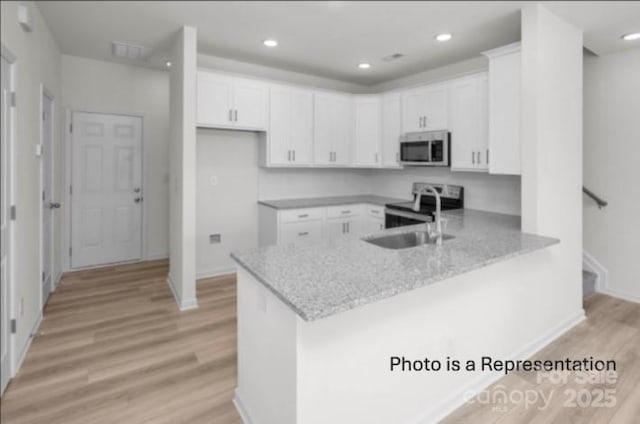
599 201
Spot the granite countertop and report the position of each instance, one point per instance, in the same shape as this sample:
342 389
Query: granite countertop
322 278
317 202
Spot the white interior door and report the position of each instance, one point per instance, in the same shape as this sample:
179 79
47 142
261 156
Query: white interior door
48 204
5 226
106 217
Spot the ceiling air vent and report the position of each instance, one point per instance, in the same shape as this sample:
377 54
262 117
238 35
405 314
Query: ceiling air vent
130 51
392 57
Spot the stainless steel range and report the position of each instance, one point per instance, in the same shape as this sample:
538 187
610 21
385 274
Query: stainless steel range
423 206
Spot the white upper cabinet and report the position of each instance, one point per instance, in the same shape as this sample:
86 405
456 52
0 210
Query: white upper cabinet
467 117
425 108
391 130
230 102
504 109
367 131
290 133
332 129
215 100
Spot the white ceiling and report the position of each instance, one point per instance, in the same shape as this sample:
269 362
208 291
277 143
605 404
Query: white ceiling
326 38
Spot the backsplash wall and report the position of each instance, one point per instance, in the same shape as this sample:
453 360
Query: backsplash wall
495 193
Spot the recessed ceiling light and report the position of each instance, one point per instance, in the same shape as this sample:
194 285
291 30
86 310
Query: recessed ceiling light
631 37
364 65
443 37
168 64
270 43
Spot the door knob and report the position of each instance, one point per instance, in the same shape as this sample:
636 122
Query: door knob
54 205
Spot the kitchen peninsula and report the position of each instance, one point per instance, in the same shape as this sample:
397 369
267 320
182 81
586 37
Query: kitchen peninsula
318 322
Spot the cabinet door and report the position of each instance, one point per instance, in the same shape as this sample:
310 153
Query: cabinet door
323 129
367 131
301 120
296 232
372 225
250 104
280 126
335 228
353 226
413 110
504 113
214 100
343 130
465 124
391 130
435 112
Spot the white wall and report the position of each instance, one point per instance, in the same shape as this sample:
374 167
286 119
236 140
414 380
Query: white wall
611 152
552 146
275 74
97 86
182 165
494 193
37 62
230 207
279 183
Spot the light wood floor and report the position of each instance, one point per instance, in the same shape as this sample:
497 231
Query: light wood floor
113 348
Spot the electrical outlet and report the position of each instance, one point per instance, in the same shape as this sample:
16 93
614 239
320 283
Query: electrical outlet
215 238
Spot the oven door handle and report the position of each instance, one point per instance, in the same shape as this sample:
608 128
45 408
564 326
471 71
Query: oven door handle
416 216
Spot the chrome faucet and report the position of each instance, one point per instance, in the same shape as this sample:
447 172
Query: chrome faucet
438 218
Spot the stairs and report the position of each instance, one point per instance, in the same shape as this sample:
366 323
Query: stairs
588 283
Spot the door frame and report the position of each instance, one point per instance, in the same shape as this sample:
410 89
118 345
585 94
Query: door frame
45 92
11 292
68 155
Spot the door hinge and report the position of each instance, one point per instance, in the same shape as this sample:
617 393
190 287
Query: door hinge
13 212
71 127
43 196
12 99
70 250
14 326
43 276
70 189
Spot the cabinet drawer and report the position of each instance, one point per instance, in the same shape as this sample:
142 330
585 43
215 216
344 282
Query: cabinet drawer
375 211
343 211
298 215
294 232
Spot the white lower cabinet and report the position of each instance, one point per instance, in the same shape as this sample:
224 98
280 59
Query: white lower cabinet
300 225
294 232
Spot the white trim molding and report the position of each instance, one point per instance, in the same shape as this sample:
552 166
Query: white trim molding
183 304
215 272
590 263
27 345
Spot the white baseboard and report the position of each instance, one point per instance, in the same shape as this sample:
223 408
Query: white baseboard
157 256
56 282
455 401
215 272
27 345
590 263
183 304
242 410
620 294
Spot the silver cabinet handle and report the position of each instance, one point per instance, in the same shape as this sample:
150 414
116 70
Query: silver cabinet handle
305 215
294 155
487 156
54 205
236 115
479 159
375 211
230 115
343 228
425 122
345 212
306 233
473 158
348 227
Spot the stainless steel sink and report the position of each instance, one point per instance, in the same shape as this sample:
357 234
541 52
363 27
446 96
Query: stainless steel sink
406 240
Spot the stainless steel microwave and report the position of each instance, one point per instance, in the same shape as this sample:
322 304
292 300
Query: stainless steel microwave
426 148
